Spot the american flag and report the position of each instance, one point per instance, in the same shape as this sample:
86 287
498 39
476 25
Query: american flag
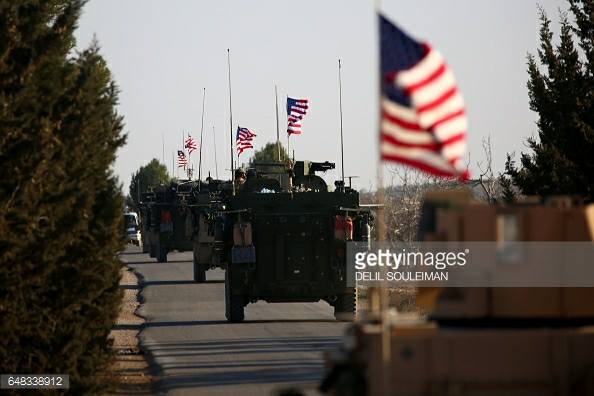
423 121
182 161
244 138
296 109
190 144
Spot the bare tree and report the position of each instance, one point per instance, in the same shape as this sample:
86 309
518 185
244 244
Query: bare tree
487 180
404 197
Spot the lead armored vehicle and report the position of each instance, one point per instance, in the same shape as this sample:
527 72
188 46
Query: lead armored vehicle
286 234
166 220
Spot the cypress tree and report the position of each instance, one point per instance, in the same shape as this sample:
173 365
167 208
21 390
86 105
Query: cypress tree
60 204
561 91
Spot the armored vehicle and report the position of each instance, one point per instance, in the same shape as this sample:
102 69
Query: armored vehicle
206 205
287 235
166 220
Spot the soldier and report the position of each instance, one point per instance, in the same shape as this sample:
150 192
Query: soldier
239 178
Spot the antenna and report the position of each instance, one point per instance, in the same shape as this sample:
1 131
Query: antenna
231 121
341 136
214 139
201 130
277 127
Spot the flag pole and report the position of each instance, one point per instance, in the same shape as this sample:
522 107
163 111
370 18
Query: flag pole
184 147
214 140
382 304
172 164
277 127
288 139
341 135
201 130
230 121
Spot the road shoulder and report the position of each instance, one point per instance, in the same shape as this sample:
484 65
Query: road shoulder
131 368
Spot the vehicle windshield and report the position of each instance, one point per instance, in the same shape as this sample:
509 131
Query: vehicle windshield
130 221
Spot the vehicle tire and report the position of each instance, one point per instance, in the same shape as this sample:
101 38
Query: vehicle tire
233 304
344 307
199 272
162 254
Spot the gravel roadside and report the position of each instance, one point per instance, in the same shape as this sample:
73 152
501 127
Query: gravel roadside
130 368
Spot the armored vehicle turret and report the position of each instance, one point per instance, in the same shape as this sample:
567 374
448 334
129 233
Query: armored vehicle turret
286 235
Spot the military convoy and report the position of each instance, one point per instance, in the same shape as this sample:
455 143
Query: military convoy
280 233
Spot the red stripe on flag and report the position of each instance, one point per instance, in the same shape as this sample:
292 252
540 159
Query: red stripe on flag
400 122
447 118
435 147
437 102
429 79
419 164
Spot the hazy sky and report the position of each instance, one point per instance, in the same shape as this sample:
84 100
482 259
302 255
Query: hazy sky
163 53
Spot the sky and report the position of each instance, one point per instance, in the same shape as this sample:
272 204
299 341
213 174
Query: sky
163 54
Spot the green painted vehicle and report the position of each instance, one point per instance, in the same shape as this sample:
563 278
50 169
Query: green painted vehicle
286 234
166 220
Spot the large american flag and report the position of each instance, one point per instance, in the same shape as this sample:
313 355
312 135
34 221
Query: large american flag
296 109
423 122
190 144
182 160
244 138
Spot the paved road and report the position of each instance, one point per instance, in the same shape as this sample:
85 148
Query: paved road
199 353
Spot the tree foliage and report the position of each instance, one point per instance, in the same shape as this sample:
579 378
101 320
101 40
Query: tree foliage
561 91
269 153
60 204
145 178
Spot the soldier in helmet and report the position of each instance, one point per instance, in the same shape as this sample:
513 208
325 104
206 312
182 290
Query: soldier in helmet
239 178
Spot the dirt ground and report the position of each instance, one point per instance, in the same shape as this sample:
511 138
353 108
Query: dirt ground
131 369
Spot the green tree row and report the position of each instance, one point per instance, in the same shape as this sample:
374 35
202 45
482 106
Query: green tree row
60 204
145 178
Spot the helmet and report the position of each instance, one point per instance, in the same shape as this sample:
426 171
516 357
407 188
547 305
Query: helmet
239 172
